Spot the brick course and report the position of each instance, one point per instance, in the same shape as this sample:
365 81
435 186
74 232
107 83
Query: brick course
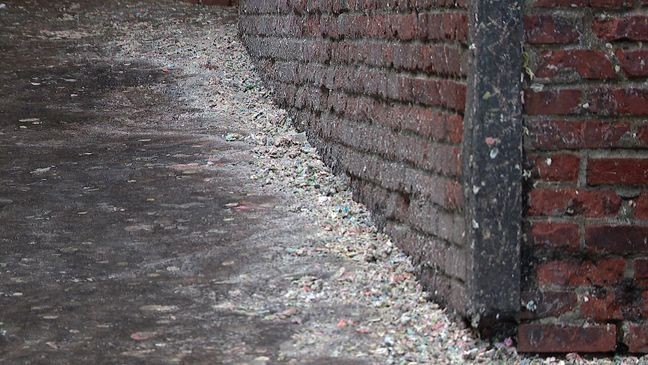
586 102
381 89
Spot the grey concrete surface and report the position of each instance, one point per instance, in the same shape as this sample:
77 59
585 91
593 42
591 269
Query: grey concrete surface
116 239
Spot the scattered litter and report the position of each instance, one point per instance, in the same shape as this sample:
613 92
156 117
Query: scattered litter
41 170
144 335
231 137
158 308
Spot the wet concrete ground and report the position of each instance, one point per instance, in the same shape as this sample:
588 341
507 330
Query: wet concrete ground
118 233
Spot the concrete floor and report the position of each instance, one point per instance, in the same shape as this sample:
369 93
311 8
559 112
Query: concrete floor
116 240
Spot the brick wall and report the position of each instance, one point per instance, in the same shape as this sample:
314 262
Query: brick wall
421 104
380 86
585 256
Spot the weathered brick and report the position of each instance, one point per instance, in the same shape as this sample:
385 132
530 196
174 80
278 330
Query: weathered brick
641 207
559 134
431 219
610 102
557 102
569 202
441 126
633 62
633 28
617 239
384 203
601 305
555 235
556 167
624 171
604 272
642 134
585 63
550 29
641 269
443 159
445 290
565 338
446 26
544 304
579 75
635 336
430 251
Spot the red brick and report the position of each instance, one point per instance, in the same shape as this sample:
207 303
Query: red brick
558 102
454 127
633 62
641 208
641 280
430 58
568 202
618 239
635 336
547 304
604 272
601 306
405 26
611 4
633 28
588 64
630 101
555 235
534 337
549 29
558 134
445 26
642 134
556 272
561 167
626 171
453 197
641 269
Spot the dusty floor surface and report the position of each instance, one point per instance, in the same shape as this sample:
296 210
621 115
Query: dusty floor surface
156 208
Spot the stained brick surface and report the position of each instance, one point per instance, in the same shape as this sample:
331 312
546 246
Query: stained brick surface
381 89
587 204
